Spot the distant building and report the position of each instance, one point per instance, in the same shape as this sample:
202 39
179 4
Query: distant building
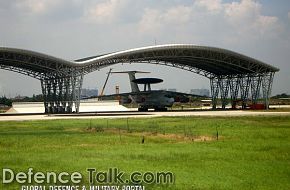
172 89
85 93
18 97
200 92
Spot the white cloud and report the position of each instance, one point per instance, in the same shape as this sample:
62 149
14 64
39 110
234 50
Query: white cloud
211 5
207 17
37 6
289 14
246 16
154 20
246 10
105 12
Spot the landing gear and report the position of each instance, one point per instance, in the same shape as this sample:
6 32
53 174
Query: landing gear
142 109
160 109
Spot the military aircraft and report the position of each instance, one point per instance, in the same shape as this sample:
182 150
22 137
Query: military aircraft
159 100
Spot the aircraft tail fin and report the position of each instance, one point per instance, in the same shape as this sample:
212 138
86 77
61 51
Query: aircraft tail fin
134 86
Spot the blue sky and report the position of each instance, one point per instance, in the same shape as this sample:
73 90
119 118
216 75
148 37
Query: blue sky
73 29
279 8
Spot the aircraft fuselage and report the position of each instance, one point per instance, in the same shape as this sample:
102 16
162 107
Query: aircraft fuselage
152 99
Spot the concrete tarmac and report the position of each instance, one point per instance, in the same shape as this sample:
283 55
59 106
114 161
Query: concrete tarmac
135 114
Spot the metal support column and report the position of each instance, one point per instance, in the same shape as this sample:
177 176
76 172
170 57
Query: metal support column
255 88
77 91
44 93
244 86
267 82
234 90
214 86
61 93
224 84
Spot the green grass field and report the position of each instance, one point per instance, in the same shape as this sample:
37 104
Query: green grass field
250 153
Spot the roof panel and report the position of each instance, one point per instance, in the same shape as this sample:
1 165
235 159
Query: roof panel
209 59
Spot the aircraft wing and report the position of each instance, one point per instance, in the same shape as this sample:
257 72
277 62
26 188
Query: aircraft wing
182 97
123 97
185 94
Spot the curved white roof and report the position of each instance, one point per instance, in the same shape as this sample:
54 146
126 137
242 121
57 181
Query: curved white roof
212 60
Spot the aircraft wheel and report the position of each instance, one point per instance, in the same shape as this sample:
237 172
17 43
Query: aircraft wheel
142 109
160 109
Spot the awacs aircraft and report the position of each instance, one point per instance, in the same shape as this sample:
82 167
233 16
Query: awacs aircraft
159 100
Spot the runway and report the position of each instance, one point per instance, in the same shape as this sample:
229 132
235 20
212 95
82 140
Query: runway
135 114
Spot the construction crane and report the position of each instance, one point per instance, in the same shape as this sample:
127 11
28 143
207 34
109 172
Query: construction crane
103 89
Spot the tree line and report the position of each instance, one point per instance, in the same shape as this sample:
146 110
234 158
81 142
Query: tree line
8 101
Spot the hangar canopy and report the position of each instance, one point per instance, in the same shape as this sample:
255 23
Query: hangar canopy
228 71
200 59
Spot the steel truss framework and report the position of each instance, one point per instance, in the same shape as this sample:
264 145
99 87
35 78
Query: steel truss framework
231 75
60 81
248 86
60 94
